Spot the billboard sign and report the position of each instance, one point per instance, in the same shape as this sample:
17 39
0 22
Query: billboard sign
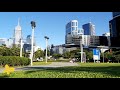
96 54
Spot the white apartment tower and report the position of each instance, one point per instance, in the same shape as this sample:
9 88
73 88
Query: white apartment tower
17 33
72 27
71 30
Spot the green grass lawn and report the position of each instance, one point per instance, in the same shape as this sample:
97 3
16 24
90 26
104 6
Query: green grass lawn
84 70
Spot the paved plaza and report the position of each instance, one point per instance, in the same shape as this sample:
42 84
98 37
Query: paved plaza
38 67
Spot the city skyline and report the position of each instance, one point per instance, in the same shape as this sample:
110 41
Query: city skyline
51 24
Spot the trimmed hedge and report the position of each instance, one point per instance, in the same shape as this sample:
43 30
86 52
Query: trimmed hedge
14 61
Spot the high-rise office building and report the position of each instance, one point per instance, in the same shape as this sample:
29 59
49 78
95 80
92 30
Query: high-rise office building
116 14
71 31
108 37
80 31
89 29
27 45
7 42
10 43
28 39
17 33
72 27
3 41
114 26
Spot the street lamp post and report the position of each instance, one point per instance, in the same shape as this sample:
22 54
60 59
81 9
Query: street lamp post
81 47
33 25
46 38
21 47
102 53
103 57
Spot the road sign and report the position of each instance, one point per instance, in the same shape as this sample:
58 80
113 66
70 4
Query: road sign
96 54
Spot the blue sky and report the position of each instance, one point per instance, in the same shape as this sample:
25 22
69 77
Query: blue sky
51 24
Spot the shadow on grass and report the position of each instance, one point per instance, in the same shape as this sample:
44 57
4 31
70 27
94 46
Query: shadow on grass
33 69
111 70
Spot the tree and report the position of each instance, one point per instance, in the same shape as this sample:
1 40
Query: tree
4 51
56 56
39 53
15 51
66 55
116 54
117 58
89 54
48 52
75 54
52 46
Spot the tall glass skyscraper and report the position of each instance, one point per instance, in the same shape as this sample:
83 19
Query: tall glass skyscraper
17 33
116 14
89 29
114 26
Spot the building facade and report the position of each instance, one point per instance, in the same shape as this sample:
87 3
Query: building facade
27 44
58 49
72 27
114 26
28 39
73 33
17 34
89 29
108 37
3 41
71 30
10 43
116 14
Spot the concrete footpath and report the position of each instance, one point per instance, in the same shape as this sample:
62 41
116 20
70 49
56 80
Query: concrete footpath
38 67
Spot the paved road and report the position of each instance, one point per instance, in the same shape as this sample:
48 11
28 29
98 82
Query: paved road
38 67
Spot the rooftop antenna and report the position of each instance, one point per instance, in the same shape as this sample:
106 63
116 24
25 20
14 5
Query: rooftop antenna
18 21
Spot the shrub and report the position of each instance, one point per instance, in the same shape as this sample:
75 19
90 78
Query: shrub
14 60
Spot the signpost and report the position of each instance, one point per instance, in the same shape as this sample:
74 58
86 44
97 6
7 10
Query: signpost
96 54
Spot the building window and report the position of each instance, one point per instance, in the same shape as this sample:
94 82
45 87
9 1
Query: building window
73 24
73 28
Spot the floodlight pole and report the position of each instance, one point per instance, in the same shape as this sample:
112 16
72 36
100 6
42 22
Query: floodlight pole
32 41
81 47
103 54
21 47
46 38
